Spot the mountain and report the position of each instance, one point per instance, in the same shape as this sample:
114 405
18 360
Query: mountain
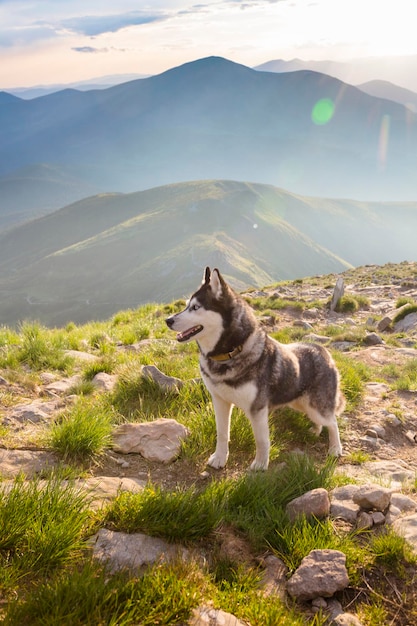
216 119
400 70
101 82
38 189
384 89
116 251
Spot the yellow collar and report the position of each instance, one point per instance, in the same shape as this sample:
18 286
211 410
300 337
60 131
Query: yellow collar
227 355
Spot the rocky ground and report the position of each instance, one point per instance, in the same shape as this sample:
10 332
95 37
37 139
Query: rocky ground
379 437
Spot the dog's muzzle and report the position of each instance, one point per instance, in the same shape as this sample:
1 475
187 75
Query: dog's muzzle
185 335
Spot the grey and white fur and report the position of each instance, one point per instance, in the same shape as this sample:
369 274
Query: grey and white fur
242 366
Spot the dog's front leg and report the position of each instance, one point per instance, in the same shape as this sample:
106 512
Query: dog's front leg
223 411
260 427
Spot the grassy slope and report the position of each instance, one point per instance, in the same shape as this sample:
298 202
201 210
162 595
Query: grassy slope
115 251
46 576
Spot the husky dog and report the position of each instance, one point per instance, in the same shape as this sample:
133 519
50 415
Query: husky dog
241 365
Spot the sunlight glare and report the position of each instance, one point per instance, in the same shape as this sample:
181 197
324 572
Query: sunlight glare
322 111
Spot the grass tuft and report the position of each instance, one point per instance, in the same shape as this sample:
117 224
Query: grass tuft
83 431
42 525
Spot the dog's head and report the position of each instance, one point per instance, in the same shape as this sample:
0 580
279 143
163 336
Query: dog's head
203 315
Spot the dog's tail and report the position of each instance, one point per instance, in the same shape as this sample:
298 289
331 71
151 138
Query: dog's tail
340 403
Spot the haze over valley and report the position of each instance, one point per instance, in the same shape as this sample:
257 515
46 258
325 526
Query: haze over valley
116 251
118 196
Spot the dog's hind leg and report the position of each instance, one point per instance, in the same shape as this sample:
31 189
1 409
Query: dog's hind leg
223 411
335 446
260 427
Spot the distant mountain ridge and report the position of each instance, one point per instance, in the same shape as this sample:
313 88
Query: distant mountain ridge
216 119
116 251
399 70
101 82
356 71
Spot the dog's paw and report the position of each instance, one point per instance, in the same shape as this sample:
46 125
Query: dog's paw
259 466
217 461
335 451
316 429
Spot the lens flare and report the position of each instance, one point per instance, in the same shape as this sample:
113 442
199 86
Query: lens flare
322 111
383 141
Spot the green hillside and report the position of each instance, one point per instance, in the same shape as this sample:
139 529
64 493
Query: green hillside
112 251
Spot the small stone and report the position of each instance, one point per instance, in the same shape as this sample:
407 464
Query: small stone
312 503
411 436
167 383
338 292
319 603
393 420
372 339
370 442
393 514
364 521
403 502
373 497
378 518
321 573
346 619
384 324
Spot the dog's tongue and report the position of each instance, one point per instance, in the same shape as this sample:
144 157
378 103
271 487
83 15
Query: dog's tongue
187 334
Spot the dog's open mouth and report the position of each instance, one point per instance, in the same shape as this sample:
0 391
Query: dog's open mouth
187 334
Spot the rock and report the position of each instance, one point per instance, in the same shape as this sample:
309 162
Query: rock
321 573
82 356
122 551
346 619
159 440
378 518
407 528
370 442
338 292
275 577
384 323
26 462
346 492
342 505
64 385
207 616
101 489
392 514
343 346
312 503
411 436
409 322
396 473
303 324
28 413
403 502
373 497
364 521
346 511
376 390
105 381
314 338
372 339
167 383
334 608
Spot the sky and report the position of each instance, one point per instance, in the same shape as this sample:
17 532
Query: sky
63 41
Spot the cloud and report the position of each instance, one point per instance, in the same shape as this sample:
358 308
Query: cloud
92 25
90 49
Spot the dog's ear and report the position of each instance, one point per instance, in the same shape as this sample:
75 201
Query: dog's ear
217 283
206 276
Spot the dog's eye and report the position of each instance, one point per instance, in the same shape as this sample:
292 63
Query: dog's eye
195 307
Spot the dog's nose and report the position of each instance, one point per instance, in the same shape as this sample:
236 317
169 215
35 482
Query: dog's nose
169 322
